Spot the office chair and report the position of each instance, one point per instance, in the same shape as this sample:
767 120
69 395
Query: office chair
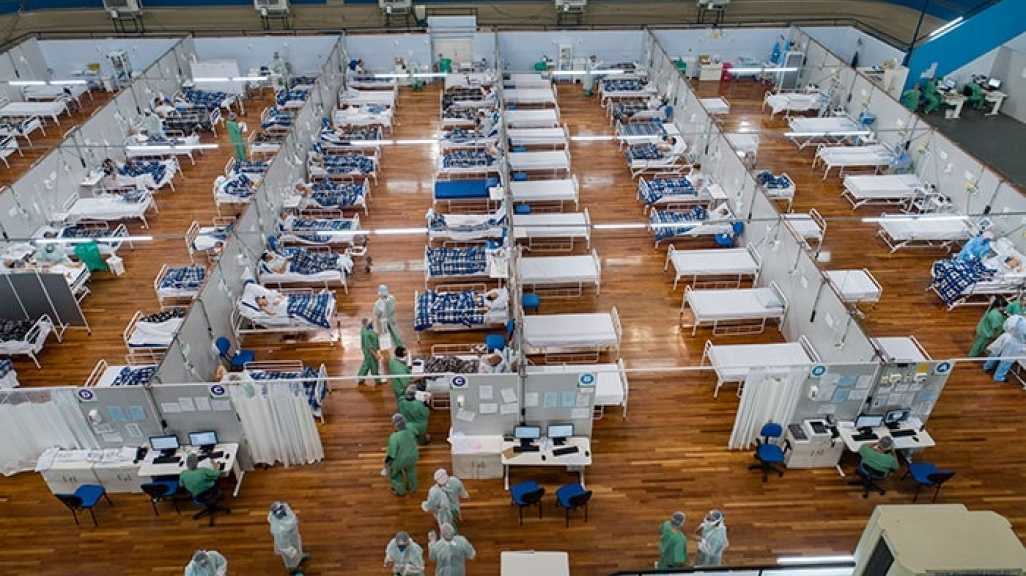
160 491
497 342
85 497
526 494
571 497
926 474
768 453
237 360
976 97
210 499
868 478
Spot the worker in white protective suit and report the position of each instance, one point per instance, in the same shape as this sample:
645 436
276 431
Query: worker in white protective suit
207 563
1006 348
444 498
280 71
287 541
405 556
590 65
712 534
450 554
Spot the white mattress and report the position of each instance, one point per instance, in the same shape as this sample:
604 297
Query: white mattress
26 346
608 385
547 118
37 93
739 304
873 155
296 278
51 109
536 136
716 106
855 285
154 334
883 187
529 95
361 117
544 190
107 208
526 80
744 142
543 270
794 101
547 331
831 125
714 262
805 226
468 79
901 349
547 160
361 97
732 362
926 229
570 224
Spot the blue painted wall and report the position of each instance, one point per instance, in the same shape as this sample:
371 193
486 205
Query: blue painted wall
969 40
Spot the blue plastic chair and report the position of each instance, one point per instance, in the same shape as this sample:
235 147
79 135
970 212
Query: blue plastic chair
520 177
522 209
767 453
926 474
85 497
526 494
497 342
237 360
530 302
571 497
160 491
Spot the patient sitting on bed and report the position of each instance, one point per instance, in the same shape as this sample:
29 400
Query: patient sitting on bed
493 363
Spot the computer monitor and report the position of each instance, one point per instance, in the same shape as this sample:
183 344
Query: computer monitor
949 83
558 433
527 434
205 440
896 416
993 84
869 420
166 444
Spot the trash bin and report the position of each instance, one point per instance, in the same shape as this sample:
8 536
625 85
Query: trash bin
116 264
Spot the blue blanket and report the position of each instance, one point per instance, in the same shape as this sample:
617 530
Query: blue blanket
307 262
448 308
652 192
249 167
768 180
276 118
239 185
157 169
627 85
347 164
315 309
456 261
129 376
346 137
185 277
205 99
293 95
330 194
627 108
644 152
688 220
467 159
318 230
642 129
309 375
6 367
952 277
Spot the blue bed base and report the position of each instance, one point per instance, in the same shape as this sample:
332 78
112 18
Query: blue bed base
464 189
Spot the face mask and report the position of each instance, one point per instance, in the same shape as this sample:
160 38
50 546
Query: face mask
402 548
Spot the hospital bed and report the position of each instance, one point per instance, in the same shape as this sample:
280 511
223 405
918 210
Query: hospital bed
676 191
353 138
26 337
155 331
152 174
545 192
652 161
468 138
718 106
185 121
530 96
344 166
733 311
777 188
293 98
371 82
746 145
446 360
460 262
875 156
208 240
788 102
274 120
466 195
265 144
317 228
49 93
626 111
363 116
544 118
554 138
466 227
467 98
458 307
855 286
468 162
739 263
960 283
252 168
457 80
138 371
553 231
301 311
175 283
313 380
809 228
524 80
830 130
611 385
556 162
368 98
108 241
888 189
210 99
462 116
941 231
572 337
620 88
108 208
669 224
643 132
235 191
165 148
21 127
900 350
560 276
330 195
8 146
318 266
733 362
52 109
8 375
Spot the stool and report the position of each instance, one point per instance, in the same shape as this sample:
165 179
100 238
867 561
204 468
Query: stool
495 342
520 176
522 209
520 148
530 302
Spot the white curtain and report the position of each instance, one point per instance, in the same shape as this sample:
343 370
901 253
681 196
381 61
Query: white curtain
278 423
767 397
32 421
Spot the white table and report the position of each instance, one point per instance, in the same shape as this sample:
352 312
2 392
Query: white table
230 463
531 563
952 98
921 439
996 97
544 457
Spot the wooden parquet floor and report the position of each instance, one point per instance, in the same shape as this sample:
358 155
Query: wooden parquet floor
670 454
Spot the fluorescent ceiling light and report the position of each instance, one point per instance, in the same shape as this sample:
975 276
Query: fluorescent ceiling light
632 226
945 28
584 72
754 70
814 559
27 83
213 79
97 239
68 82
597 138
951 217
248 78
143 147
398 231
821 134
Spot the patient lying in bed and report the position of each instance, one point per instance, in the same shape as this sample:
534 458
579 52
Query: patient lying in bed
670 147
274 305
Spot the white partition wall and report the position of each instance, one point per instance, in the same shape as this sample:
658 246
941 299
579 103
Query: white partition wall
305 54
728 45
379 51
847 42
67 56
520 50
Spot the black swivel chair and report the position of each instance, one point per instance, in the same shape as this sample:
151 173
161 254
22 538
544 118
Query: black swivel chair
161 491
210 500
868 478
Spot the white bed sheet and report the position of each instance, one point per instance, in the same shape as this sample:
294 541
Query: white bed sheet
793 102
873 155
361 116
855 285
455 80
805 226
296 278
554 331
542 270
716 106
561 190
545 160
714 262
732 362
537 136
51 109
926 229
882 187
547 118
154 334
367 97
827 126
559 225
527 80
107 208
739 304
42 93
519 95
902 349
609 386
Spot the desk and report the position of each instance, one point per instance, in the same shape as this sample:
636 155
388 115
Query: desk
230 461
531 563
952 98
922 439
544 457
995 97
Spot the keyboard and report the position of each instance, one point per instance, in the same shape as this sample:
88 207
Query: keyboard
902 433
565 450
167 460
532 448
864 437
217 454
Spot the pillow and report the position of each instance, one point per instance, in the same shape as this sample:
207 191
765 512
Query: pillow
768 298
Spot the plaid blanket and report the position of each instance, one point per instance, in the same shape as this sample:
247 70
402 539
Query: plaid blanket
204 98
437 221
622 85
467 159
307 262
330 194
268 138
249 167
157 169
187 121
314 394
301 81
642 129
627 108
448 308
239 185
6 367
766 179
456 261
451 364
276 118
347 164
318 230
652 192
315 309
460 113
689 220
79 231
461 95
952 277
644 152
185 277
129 376
293 95
15 330
331 137
163 316
460 135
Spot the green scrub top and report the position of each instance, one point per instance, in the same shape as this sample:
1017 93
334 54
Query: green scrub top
882 461
673 547
369 341
416 414
402 447
397 369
